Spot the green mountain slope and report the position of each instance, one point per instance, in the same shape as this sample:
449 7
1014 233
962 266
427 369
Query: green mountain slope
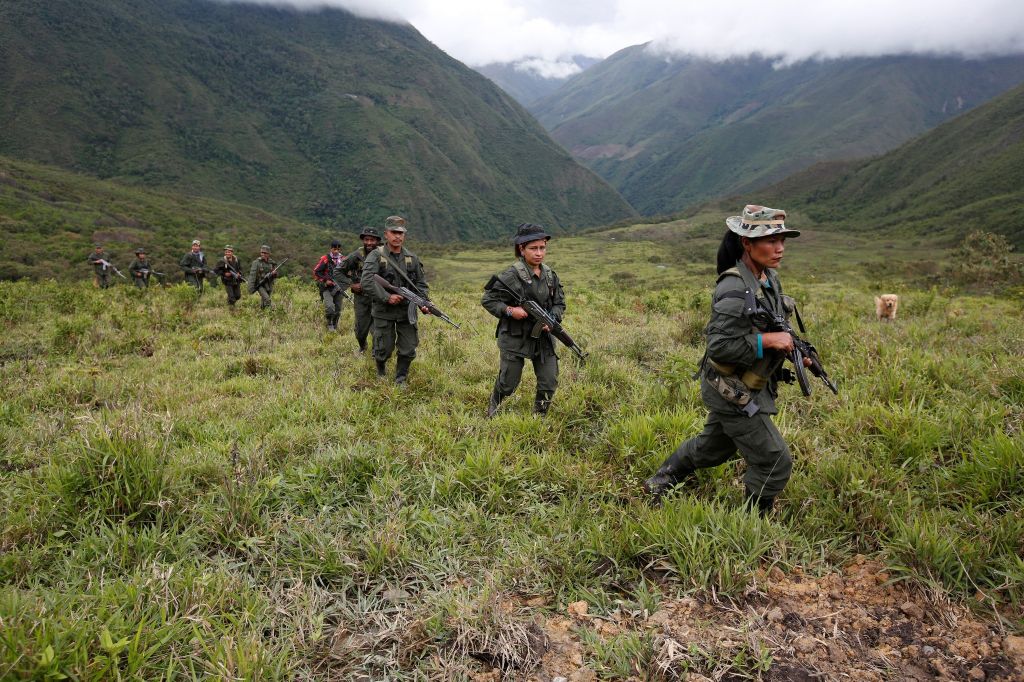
964 175
526 85
318 115
50 217
669 133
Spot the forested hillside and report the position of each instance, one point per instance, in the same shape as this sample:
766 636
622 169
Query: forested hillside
318 115
668 132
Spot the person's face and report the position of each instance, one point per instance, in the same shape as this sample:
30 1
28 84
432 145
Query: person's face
98 249
767 251
395 239
141 256
371 242
229 254
534 252
195 248
264 255
335 250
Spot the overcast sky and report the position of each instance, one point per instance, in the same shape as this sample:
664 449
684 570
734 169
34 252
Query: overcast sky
549 31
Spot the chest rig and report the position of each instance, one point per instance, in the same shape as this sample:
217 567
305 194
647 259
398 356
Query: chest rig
546 273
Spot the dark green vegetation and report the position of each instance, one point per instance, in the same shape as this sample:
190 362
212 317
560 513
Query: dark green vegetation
190 493
319 115
50 218
671 132
967 174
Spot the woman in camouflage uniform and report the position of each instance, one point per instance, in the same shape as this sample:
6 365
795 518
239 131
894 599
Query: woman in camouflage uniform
519 337
742 365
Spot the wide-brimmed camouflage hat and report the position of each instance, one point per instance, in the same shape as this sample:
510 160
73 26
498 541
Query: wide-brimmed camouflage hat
528 232
394 223
369 232
228 247
139 250
265 248
760 221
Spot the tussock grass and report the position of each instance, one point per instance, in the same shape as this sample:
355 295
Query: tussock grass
188 491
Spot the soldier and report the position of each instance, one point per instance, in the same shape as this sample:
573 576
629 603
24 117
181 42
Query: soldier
229 269
330 276
262 276
742 365
140 269
394 320
518 338
193 264
101 267
362 303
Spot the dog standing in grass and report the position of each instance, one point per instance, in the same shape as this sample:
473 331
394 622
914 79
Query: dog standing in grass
886 305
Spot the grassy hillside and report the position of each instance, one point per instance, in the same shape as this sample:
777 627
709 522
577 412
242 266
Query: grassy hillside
186 492
318 115
49 219
668 133
965 175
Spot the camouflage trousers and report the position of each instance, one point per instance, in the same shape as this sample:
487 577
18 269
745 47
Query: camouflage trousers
757 441
101 280
387 334
510 373
195 281
234 290
333 299
264 293
363 307
141 283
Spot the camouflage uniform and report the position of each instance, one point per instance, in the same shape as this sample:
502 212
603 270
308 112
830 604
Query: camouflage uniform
735 354
362 303
140 270
230 272
515 337
393 323
101 272
260 269
331 278
193 265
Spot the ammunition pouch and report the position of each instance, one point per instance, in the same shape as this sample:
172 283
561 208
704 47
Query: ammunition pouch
753 379
732 390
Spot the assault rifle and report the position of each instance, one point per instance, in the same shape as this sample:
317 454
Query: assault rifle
108 264
234 274
801 349
270 275
542 318
414 298
146 273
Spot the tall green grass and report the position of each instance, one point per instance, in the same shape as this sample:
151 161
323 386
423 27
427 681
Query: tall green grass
188 491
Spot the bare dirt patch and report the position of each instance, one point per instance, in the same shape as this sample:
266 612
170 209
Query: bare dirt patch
850 625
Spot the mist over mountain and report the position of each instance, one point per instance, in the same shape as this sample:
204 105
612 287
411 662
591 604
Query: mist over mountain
532 79
669 132
319 115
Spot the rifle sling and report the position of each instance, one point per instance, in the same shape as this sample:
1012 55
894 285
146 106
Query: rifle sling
401 273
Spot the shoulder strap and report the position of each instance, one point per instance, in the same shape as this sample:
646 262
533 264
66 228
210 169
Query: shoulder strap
521 270
747 295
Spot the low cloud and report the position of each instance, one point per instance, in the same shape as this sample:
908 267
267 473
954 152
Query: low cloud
547 34
546 69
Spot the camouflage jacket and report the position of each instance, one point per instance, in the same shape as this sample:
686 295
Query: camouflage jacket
354 266
96 258
381 261
515 336
260 269
190 261
733 338
225 268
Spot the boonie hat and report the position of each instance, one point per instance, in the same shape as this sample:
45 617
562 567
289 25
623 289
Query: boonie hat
228 247
369 232
139 250
394 223
264 248
335 244
528 232
760 221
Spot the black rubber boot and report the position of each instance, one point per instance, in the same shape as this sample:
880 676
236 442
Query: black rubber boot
668 476
382 368
492 404
762 503
541 403
402 371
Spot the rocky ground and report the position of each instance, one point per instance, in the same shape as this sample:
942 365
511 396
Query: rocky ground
852 625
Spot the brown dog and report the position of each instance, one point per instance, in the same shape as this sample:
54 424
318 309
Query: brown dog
886 305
